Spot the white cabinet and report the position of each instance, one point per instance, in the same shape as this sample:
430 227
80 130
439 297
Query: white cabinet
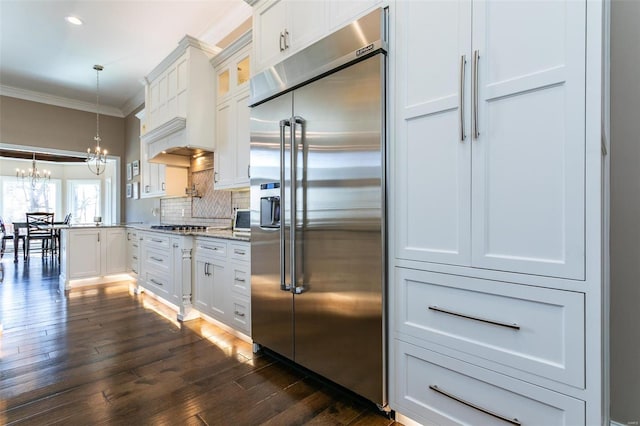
282 27
91 252
231 168
497 257
133 253
178 99
491 128
165 269
222 285
158 180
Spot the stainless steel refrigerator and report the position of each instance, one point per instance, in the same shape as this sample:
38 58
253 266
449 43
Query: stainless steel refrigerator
318 158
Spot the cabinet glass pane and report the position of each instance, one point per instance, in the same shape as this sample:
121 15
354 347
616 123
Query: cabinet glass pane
223 83
243 71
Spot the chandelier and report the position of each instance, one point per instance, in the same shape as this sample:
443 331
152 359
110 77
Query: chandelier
33 174
97 159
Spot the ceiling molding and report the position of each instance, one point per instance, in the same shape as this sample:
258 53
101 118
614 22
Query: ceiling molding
45 98
230 50
133 103
251 2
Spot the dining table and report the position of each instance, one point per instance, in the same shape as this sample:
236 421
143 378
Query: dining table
17 226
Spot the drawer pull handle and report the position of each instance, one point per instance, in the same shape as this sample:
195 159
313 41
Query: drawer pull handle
240 314
210 248
157 259
134 271
156 282
241 280
155 240
242 252
501 324
134 245
469 404
135 257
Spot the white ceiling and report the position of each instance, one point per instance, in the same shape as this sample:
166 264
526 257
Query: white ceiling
44 58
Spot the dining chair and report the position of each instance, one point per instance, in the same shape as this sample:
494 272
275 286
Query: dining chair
40 227
9 236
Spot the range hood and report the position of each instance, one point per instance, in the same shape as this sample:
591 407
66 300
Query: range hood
168 144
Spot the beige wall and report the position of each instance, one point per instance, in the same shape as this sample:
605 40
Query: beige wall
625 211
47 126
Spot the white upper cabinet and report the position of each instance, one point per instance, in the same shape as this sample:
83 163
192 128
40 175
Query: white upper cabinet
282 27
491 135
179 104
233 71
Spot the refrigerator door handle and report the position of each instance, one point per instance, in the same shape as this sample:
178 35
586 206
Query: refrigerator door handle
296 287
283 284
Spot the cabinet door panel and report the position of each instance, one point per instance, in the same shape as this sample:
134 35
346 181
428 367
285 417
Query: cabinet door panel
242 118
115 254
85 261
269 20
433 163
220 290
202 287
224 156
528 162
306 23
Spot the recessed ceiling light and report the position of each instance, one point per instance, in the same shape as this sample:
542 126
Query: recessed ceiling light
73 20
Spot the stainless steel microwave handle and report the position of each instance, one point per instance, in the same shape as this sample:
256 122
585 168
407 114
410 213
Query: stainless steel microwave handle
295 287
283 282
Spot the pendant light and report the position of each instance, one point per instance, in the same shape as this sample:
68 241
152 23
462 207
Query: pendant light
97 159
34 175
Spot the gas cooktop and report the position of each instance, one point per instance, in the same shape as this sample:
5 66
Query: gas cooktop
179 227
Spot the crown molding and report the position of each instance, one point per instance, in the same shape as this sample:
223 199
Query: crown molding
186 42
45 98
251 2
230 50
133 103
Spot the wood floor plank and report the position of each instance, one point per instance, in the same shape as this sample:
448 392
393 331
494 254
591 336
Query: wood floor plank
104 355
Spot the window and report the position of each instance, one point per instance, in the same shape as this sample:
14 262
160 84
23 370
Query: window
19 197
84 200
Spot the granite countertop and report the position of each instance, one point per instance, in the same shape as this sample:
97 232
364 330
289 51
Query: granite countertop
226 234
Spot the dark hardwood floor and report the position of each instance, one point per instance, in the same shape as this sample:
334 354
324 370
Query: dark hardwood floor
107 356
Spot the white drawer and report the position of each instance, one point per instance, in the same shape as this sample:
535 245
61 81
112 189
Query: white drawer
529 329
434 388
240 251
158 284
241 312
135 269
157 240
241 277
157 260
211 247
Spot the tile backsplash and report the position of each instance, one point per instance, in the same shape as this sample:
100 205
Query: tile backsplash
215 208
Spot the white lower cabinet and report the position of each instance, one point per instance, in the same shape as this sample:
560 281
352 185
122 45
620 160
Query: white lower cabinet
222 284
533 333
447 391
133 253
91 252
165 269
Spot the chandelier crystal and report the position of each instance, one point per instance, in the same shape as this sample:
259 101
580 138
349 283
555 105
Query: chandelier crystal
33 174
97 159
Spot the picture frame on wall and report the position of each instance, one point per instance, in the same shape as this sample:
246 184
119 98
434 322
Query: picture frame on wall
129 171
136 167
129 190
136 190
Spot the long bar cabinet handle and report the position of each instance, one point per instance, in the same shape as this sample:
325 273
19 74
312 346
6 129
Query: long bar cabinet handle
283 282
488 321
514 421
463 66
476 60
281 41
